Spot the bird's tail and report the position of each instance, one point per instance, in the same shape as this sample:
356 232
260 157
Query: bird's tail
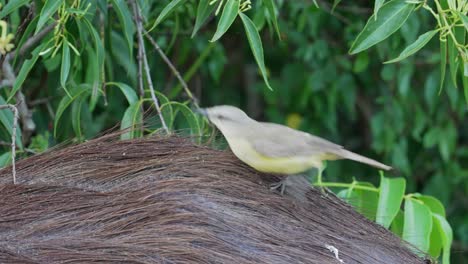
346 154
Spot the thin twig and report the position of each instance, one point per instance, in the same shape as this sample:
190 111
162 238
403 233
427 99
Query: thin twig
13 138
141 45
173 69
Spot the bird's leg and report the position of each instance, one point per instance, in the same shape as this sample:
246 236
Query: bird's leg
319 177
281 186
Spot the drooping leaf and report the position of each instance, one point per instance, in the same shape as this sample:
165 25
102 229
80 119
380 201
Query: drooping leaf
377 5
5 159
11 6
335 4
230 11
418 224
25 36
390 198
125 18
47 12
189 116
65 66
167 11
76 116
270 5
24 71
464 19
6 118
256 46
364 201
447 236
443 63
204 11
415 46
131 118
434 204
392 15
129 93
435 243
67 100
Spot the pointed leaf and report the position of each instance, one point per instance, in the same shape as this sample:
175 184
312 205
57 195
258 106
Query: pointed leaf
464 19
76 117
129 93
377 5
65 67
125 18
11 6
434 204
335 4
392 16
447 236
24 71
415 46
75 93
204 11
230 11
167 11
270 5
435 245
6 118
255 43
417 225
390 198
131 118
47 12
443 63
5 159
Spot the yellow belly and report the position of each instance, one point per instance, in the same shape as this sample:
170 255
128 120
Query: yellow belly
282 165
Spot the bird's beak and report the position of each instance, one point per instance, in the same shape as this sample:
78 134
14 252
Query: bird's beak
202 111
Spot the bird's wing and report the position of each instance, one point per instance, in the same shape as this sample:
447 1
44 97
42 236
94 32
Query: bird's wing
275 140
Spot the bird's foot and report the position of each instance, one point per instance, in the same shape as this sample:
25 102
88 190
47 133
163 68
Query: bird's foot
280 186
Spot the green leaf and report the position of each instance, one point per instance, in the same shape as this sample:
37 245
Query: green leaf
129 93
24 71
131 118
47 12
415 46
364 201
25 36
65 67
443 63
11 6
447 236
434 204
5 159
390 198
418 224
335 4
76 116
204 11
188 114
465 86
6 118
166 11
125 18
377 5
75 93
392 16
270 5
255 43
397 225
435 243
464 19
230 11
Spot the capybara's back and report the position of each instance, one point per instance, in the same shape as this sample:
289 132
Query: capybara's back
166 200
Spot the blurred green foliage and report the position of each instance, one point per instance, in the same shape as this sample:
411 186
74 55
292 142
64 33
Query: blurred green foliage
83 77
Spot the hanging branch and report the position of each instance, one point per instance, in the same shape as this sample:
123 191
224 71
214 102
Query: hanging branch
173 69
142 52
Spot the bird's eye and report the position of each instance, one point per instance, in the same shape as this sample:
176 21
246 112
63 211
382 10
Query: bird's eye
221 117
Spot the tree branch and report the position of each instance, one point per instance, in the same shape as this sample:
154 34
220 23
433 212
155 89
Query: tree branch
141 45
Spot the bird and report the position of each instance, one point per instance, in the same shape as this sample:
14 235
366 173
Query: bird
275 148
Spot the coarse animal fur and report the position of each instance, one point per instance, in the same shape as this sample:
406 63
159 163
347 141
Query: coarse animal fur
164 199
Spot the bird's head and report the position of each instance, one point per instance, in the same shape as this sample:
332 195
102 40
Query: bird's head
223 116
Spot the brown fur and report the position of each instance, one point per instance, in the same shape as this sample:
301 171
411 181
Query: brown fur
166 200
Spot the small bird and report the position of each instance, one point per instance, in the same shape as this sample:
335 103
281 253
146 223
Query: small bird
274 148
